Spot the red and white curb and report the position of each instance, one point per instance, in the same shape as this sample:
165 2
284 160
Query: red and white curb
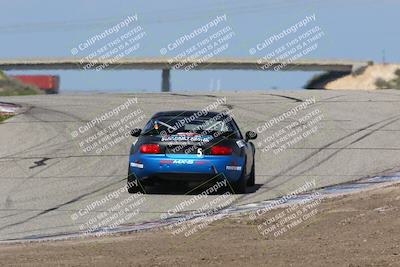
8 108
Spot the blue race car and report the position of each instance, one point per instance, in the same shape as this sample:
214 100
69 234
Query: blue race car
191 146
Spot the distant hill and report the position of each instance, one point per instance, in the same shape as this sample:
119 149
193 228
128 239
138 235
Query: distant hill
373 77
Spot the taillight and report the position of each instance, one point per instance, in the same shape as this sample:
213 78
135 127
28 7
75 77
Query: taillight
221 150
150 149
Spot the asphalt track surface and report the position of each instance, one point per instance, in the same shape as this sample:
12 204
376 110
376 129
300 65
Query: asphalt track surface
46 177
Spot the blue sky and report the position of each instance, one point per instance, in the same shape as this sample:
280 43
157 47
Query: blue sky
353 29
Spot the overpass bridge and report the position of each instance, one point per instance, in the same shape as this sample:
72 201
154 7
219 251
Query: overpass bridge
167 64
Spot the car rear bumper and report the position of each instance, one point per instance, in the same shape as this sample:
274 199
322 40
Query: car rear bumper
184 167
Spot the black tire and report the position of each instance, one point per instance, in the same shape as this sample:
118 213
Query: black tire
240 187
134 189
252 178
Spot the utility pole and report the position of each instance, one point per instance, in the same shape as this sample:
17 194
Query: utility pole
383 56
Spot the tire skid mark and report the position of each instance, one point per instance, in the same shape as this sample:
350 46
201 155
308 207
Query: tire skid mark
288 97
391 120
39 163
63 204
60 205
18 185
323 148
40 145
8 197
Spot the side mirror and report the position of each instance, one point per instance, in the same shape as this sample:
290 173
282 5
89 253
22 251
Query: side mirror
250 135
136 132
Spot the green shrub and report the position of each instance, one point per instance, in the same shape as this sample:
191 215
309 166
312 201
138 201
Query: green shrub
9 87
392 84
4 117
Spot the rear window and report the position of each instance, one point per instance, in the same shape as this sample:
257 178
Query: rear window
174 125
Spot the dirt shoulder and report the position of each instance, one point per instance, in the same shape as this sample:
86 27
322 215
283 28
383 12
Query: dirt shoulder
355 230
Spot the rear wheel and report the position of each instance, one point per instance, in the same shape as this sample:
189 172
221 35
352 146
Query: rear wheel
240 187
134 185
252 177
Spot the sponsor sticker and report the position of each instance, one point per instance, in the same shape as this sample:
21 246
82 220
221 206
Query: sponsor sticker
137 165
196 138
183 161
234 168
240 143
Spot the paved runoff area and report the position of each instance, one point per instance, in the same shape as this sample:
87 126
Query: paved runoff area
64 158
